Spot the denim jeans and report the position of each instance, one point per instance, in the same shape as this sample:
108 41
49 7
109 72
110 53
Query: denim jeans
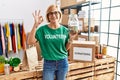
55 69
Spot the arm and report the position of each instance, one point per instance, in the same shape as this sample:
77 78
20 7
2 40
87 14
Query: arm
31 36
38 19
69 43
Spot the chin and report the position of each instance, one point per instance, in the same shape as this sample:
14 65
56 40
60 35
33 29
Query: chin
54 21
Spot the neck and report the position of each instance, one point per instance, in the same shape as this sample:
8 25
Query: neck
54 26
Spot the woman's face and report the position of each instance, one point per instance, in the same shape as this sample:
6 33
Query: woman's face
54 16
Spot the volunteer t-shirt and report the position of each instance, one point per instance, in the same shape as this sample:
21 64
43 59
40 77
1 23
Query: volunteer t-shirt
53 42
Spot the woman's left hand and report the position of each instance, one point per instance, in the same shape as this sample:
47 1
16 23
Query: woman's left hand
73 36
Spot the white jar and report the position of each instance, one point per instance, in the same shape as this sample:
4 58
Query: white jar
7 69
73 23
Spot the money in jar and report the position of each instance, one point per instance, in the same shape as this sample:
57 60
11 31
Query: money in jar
73 23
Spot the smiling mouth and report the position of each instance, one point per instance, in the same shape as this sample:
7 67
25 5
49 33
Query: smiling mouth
53 18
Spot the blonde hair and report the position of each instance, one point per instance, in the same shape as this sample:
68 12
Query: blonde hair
53 7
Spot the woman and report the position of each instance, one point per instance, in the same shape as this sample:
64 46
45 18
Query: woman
54 40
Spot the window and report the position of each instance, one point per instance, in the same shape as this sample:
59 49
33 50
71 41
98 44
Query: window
108 20
110 30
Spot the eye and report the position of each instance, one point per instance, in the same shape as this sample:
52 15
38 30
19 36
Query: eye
51 13
56 12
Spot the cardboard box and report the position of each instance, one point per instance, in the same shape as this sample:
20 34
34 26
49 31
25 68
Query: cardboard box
82 38
82 51
85 23
74 2
92 22
65 19
67 3
72 11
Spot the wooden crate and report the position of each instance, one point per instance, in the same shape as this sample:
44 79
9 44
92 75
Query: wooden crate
100 69
106 76
21 75
25 75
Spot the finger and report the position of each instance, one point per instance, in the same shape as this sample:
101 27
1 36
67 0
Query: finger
39 13
35 12
79 31
75 34
41 19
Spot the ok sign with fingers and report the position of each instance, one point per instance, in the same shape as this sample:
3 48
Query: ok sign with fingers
38 19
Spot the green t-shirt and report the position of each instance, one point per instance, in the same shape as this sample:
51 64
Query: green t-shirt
53 42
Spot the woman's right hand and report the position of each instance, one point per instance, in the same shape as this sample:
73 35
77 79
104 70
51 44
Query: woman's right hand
37 18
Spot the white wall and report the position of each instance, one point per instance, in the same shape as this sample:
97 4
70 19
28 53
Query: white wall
21 10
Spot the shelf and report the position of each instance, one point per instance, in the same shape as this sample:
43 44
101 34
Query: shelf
79 6
92 34
82 4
